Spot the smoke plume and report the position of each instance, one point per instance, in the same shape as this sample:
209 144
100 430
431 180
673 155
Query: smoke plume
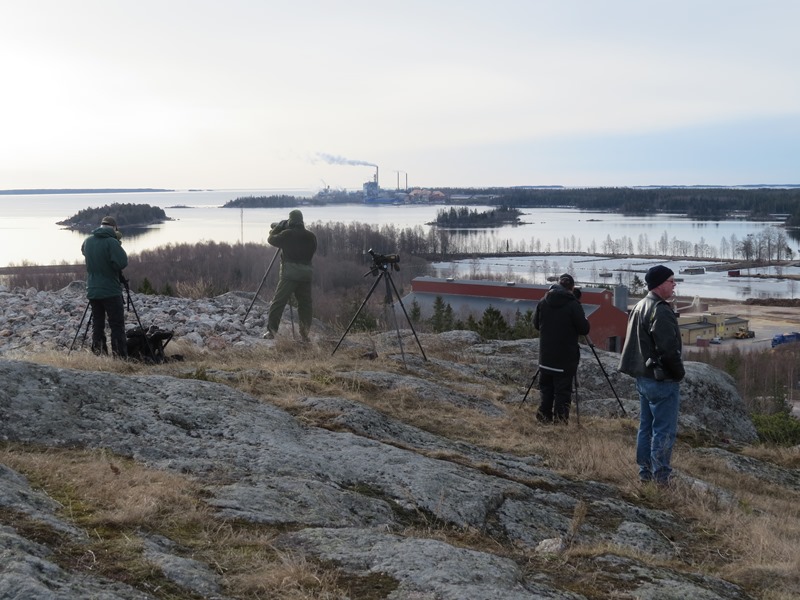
340 160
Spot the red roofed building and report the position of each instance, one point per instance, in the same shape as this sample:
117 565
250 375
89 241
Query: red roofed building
606 310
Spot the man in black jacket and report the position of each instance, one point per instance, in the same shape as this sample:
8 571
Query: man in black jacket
652 354
560 320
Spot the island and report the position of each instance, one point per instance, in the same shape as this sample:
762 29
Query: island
126 216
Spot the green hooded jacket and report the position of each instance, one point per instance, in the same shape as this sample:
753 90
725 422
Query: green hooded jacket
105 260
298 246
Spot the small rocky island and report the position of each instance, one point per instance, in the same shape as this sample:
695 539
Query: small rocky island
127 216
463 217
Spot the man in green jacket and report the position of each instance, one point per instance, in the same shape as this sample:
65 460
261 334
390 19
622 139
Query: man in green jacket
298 246
105 260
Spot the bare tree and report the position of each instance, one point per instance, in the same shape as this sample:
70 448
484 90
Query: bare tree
643 244
734 245
724 248
780 245
663 243
747 248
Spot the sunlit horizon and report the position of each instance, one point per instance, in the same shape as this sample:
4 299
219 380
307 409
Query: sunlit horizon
313 94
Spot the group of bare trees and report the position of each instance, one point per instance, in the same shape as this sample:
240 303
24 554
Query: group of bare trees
769 245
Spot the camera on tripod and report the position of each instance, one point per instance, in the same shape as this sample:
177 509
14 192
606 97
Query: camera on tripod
382 261
280 225
381 269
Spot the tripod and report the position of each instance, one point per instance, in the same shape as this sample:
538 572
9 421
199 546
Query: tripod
263 280
528 391
602 368
575 389
130 306
380 269
77 331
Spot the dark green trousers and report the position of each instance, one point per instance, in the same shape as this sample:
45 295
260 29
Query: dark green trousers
302 293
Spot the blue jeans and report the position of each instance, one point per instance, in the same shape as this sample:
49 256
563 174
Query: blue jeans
658 425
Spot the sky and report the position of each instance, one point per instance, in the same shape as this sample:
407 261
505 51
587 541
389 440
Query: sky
261 94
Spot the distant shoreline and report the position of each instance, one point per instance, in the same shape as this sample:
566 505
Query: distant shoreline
82 191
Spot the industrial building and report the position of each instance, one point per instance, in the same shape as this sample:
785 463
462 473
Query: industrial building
695 328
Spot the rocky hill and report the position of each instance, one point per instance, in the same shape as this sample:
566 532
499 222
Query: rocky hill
371 473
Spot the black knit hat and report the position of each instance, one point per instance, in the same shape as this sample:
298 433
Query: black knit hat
657 275
566 280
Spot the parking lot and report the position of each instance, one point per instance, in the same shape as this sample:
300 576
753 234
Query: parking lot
765 321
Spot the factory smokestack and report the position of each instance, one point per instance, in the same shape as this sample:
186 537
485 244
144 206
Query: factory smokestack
398 180
341 160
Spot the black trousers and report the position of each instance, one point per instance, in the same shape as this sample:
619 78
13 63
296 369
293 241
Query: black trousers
556 395
113 309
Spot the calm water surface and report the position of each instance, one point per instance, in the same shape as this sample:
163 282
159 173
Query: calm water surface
589 271
28 232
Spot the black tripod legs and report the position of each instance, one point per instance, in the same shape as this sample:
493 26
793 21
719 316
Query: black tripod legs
528 391
78 330
408 319
263 280
577 408
390 288
132 306
608 379
358 312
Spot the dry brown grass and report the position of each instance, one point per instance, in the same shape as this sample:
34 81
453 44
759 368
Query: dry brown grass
117 500
110 491
754 541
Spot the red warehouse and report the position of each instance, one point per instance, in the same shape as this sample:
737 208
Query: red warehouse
606 310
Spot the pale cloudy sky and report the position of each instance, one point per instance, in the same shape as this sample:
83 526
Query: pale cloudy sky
252 94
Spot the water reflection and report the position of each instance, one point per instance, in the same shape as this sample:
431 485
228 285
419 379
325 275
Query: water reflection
133 233
591 271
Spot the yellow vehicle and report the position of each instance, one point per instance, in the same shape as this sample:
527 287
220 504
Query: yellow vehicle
744 334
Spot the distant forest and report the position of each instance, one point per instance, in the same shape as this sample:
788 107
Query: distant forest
285 201
281 201
697 203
